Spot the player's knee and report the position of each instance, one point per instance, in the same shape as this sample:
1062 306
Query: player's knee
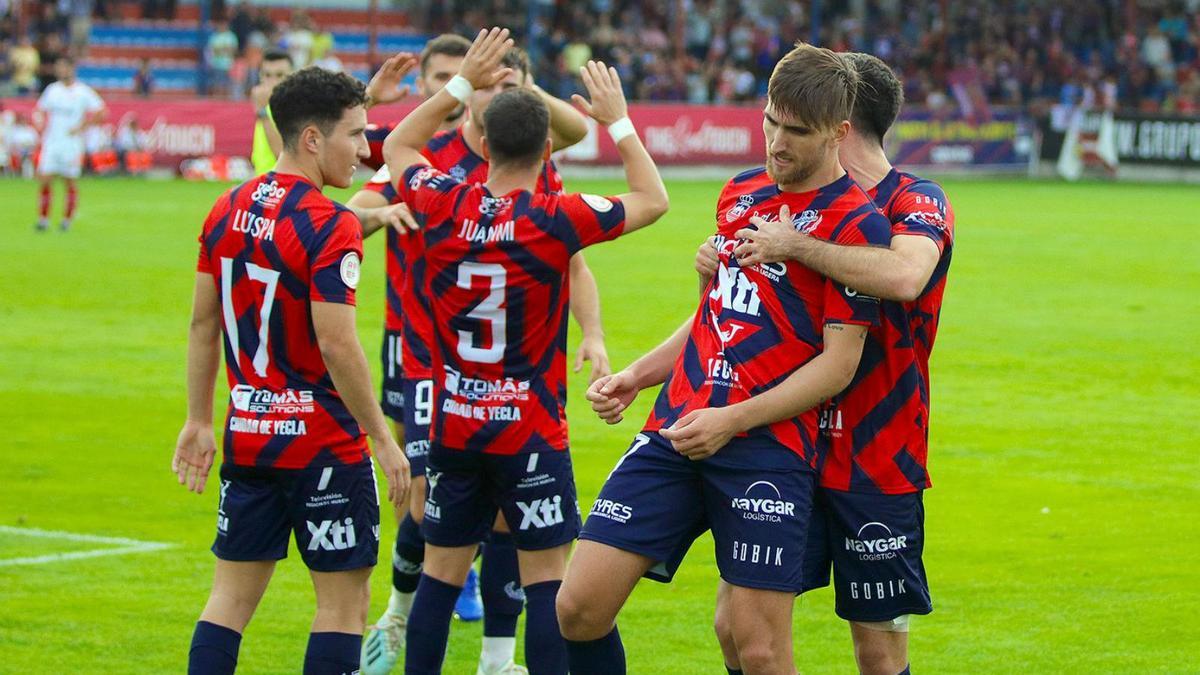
759 656
723 629
578 619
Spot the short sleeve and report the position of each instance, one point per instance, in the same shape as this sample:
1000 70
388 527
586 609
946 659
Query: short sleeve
842 303
204 263
426 190
337 267
44 100
586 219
922 210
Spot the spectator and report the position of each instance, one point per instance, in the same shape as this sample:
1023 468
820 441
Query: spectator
26 63
143 80
299 39
50 51
219 55
242 24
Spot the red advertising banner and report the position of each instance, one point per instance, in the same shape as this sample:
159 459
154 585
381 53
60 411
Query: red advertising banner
173 131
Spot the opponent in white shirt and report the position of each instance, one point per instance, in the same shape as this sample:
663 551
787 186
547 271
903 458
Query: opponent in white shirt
63 112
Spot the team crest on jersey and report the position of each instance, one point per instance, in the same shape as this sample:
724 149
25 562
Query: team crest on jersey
739 209
268 195
458 173
490 206
806 221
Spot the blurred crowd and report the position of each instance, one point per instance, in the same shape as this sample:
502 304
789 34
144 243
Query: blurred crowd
972 54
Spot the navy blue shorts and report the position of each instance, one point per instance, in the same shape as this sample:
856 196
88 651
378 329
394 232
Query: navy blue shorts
755 496
874 543
536 493
333 510
392 398
418 394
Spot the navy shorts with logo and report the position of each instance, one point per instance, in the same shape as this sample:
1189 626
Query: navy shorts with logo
754 494
392 398
536 493
333 510
874 543
418 394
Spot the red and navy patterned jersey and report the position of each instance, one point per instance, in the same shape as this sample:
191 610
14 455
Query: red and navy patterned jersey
273 246
497 266
407 309
755 326
878 429
448 152
376 135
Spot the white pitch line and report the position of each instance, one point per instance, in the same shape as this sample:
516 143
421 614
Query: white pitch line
124 546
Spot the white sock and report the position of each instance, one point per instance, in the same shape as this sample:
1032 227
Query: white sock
400 604
497 652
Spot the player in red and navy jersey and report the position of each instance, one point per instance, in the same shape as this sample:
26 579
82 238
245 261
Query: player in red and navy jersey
875 434
456 151
279 264
732 441
497 258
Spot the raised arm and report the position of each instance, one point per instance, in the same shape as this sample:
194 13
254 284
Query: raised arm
196 447
567 125
337 338
899 272
480 68
647 199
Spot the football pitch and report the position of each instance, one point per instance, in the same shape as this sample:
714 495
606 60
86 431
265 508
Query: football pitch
1062 528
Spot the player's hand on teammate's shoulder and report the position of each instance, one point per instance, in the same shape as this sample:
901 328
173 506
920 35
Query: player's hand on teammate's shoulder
769 243
394 465
706 258
398 217
701 433
481 65
592 349
612 394
384 86
607 103
194 452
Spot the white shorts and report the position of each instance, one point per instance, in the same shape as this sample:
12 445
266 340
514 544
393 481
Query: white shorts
61 158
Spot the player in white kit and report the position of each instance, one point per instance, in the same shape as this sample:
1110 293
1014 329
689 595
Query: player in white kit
63 112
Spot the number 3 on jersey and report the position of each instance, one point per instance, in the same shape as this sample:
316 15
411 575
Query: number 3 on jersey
489 310
270 277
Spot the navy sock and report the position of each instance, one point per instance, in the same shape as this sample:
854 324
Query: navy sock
734 671
408 556
605 656
332 653
429 626
500 586
906 671
214 649
545 650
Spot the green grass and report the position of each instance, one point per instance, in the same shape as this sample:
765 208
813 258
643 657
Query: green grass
1061 533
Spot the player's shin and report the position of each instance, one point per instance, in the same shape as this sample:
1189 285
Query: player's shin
407 560
503 600
332 653
429 627
545 651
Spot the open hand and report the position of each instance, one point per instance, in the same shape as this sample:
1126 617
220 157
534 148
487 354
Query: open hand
604 87
769 243
194 453
384 86
481 65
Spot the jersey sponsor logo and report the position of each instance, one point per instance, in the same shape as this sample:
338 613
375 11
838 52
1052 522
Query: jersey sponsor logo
490 206
268 195
266 402
720 372
607 508
432 510
258 227
806 221
599 204
830 421
851 293
877 590
331 535
350 269
472 231
758 554
773 271
744 202
736 291
875 541
415 449
932 219
268 427
541 513
421 176
762 501
476 389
